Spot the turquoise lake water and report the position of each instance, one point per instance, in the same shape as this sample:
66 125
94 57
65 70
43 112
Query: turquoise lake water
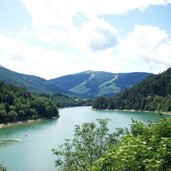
32 150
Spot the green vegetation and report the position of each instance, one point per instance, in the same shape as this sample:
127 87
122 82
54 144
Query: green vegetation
31 83
65 101
141 148
16 104
153 94
88 84
91 84
2 168
89 143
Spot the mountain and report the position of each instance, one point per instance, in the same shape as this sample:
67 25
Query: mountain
30 82
152 94
87 84
98 83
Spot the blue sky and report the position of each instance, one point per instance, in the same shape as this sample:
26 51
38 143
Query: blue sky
51 38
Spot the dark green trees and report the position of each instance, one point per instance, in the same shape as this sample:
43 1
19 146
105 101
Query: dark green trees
18 104
153 94
101 103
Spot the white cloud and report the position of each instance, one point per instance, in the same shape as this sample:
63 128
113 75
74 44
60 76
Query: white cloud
147 46
52 20
19 56
95 35
24 33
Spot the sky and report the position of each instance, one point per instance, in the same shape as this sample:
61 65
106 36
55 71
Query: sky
52 38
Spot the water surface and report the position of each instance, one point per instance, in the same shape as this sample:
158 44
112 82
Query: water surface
33 152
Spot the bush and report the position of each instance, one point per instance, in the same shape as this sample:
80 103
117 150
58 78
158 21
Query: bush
90 142
2 168
141 148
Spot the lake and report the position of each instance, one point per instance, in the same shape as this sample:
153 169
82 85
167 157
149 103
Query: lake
32 150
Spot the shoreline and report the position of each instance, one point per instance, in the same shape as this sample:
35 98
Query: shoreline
131 110
2 125
29 121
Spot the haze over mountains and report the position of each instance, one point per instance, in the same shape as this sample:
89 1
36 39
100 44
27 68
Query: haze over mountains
87 84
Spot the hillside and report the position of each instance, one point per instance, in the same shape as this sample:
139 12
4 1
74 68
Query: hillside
98 83
30 82
88 84
17 104
152 94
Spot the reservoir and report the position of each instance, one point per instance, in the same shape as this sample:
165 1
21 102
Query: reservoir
33 142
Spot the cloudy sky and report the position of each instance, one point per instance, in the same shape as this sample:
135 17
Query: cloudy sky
51 38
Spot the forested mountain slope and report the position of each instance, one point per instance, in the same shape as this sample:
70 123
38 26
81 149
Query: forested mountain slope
30 82
87 84
152 94
17 104
92 84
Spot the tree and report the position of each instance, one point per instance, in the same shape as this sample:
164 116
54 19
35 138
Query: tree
147 95
2 168
12 116
101 103
3 116
32 113
90 142
143 148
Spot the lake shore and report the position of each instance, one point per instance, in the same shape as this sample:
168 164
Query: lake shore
40 119
3 125
166 113
131 110
18 123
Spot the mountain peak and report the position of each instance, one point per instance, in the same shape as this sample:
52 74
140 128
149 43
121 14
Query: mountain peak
89 72
86 84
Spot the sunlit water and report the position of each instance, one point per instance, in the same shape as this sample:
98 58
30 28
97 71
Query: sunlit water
33 152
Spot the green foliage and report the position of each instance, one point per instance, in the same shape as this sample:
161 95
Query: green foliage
16 104
101 103
90 142
65 101
141 148
90 84
2 168
153 94
32 83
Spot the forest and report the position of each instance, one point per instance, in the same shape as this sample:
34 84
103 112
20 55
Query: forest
152 94
17 104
